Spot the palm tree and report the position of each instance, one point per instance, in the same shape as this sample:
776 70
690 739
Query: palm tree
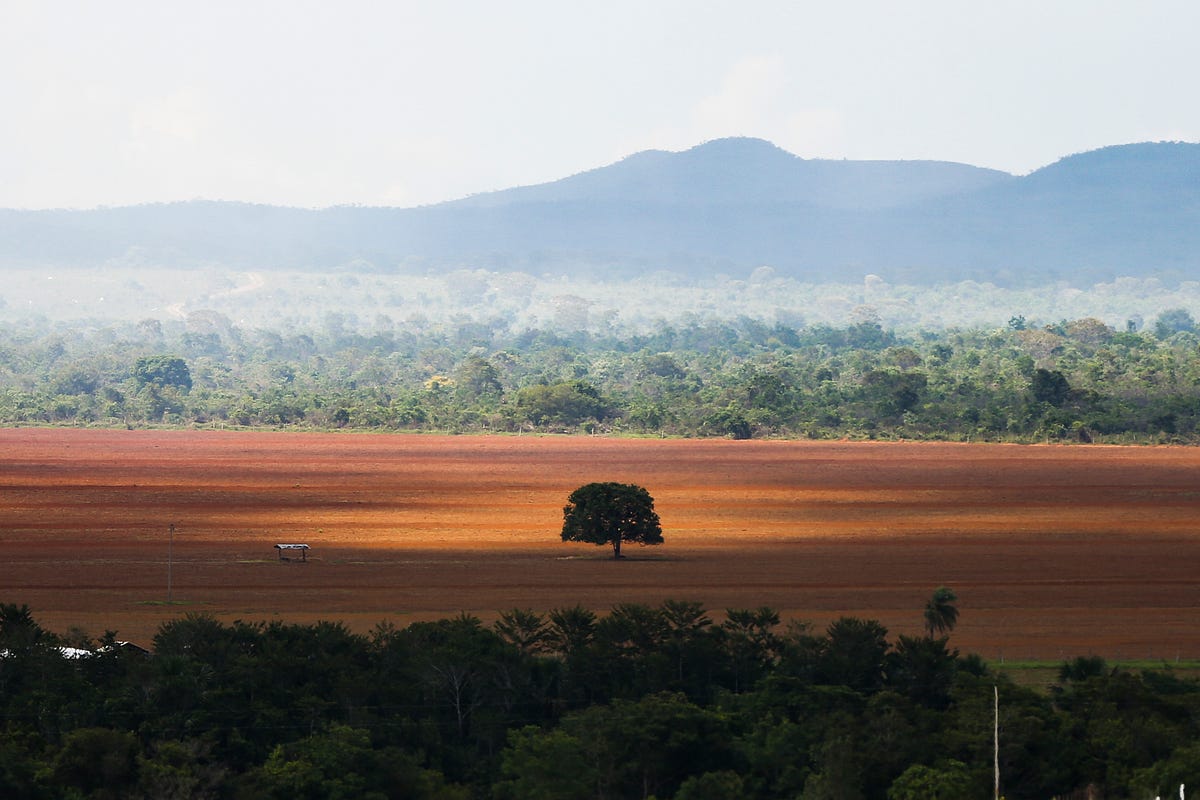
523 629
940 611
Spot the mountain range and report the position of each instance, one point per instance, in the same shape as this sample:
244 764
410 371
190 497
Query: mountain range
724 207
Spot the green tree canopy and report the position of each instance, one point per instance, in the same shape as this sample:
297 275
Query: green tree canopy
1173 321
949 779
611 513
163 371
1050 386
567 404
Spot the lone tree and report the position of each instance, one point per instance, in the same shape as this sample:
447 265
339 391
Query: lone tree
603 513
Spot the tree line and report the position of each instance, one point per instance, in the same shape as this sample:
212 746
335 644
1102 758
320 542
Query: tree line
667 702
1077 380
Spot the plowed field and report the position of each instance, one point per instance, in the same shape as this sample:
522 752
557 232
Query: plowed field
1053 551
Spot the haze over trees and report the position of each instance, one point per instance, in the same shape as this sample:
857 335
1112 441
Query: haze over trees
730 229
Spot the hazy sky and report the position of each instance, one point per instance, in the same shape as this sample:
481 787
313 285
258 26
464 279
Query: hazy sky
405 103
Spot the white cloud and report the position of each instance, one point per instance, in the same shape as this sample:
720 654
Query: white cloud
747 99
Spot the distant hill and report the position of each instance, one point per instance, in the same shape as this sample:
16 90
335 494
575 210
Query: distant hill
733 172
726 206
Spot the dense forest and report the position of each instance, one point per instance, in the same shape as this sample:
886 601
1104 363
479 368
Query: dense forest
642 702
1078 380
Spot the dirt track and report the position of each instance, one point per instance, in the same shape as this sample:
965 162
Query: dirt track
1053 551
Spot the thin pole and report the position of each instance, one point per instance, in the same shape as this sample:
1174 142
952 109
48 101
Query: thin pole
170 558
996 740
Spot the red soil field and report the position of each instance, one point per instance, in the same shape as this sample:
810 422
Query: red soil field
1053 551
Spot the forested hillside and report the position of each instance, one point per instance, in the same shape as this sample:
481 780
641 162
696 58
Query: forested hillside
1077 380
667 702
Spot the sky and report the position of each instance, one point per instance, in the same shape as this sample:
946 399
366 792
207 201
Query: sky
399 103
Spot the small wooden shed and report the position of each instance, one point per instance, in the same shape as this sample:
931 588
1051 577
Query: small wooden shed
288 548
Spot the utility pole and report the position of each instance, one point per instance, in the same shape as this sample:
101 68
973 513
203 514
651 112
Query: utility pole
170 558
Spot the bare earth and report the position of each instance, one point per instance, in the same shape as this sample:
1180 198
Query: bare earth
1053 551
